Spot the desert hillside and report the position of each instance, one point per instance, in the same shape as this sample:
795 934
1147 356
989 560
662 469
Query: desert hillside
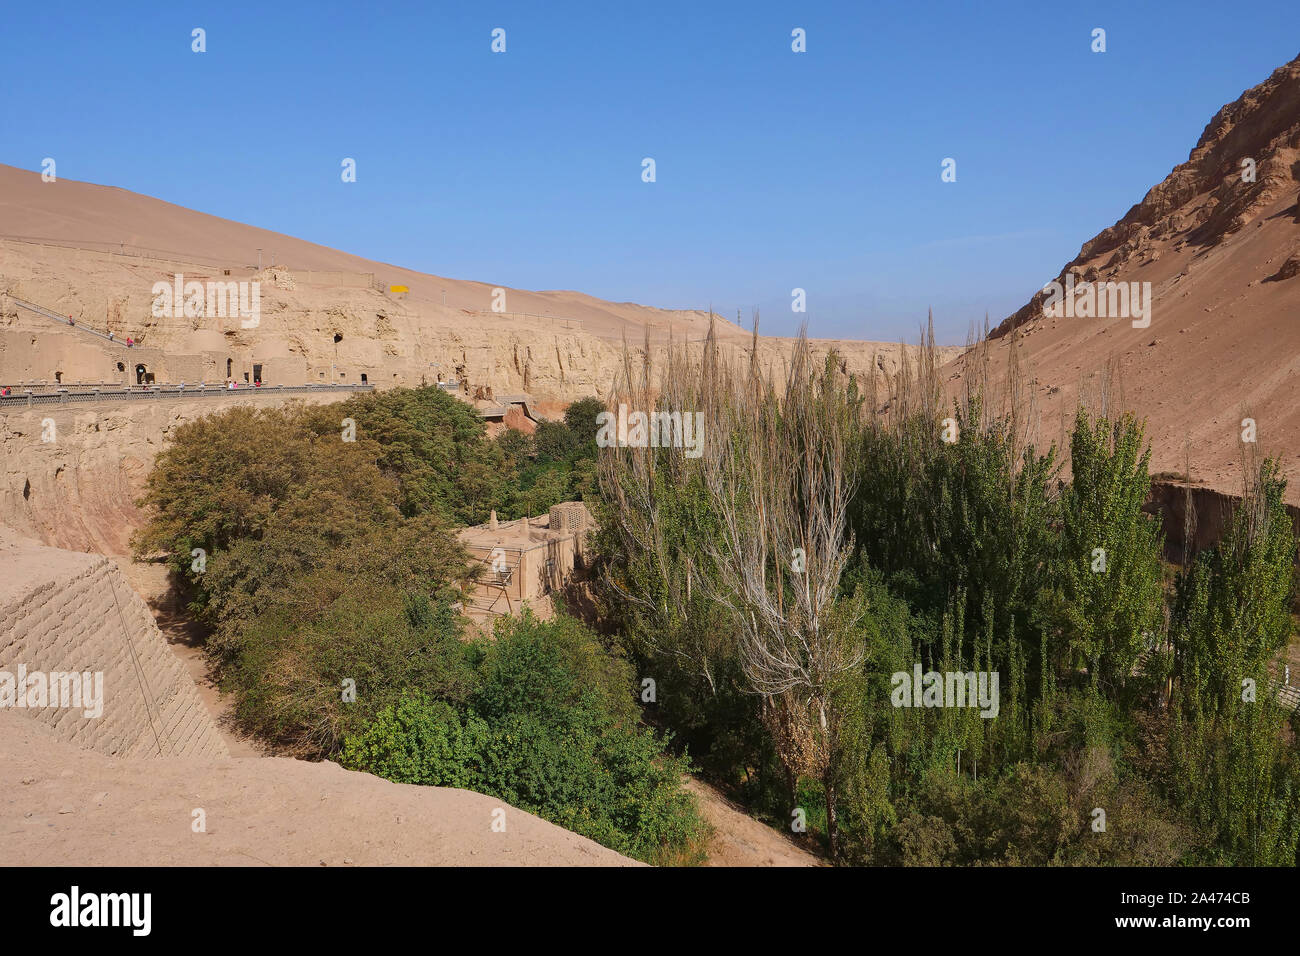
1222 255
94 253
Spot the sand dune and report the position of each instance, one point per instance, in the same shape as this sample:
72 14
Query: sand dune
95 253
104 217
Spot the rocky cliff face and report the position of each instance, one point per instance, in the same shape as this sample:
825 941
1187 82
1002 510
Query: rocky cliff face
1220 249
1247 158
323 333
77 489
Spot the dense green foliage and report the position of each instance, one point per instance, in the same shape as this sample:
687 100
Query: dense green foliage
1136 719
556 463
317 545
289 471
1121 734
551 729
1232 766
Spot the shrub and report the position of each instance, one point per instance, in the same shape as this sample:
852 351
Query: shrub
551 730
420 741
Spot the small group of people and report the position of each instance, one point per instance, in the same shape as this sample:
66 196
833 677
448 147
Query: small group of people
130 342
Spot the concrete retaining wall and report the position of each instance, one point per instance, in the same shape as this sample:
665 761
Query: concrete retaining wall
70 612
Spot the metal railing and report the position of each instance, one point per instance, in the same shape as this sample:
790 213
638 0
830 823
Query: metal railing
67 320
66 396
565 321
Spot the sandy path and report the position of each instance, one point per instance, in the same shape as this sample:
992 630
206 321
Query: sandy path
739 839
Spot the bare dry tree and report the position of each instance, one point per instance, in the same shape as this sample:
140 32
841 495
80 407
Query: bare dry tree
778 473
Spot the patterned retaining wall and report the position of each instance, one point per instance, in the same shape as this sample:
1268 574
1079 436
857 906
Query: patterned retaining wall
65 611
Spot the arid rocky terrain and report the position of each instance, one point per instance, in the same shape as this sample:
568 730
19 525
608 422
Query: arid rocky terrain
1221 251
123 794
1222 255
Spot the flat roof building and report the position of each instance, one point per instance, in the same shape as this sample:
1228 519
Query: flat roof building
525 560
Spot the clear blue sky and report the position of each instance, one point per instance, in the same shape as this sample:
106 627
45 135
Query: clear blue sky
819 170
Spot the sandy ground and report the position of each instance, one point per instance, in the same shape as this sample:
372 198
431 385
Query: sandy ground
740 840
64 805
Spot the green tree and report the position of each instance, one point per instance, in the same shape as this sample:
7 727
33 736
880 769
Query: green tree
1110 593
1233 769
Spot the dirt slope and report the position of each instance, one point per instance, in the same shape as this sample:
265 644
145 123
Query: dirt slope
104 217
1223 259
120 787
65 806
61 611
739 839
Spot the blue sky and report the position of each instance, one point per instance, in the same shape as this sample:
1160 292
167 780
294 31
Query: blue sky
775 170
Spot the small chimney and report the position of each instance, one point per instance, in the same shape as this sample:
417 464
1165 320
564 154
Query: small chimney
492 521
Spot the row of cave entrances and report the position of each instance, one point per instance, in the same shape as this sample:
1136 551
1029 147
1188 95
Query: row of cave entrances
142 374
145 377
